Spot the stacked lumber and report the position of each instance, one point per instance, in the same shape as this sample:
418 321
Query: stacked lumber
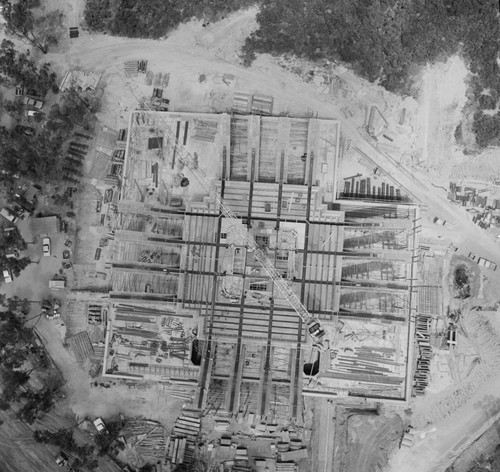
422 372
182 442
130 69
177 450
146 438
241 453
286 467
262 104
205 130
241 102
295 455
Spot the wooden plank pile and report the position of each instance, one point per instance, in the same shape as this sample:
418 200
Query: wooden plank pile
147 438
182 442
262 104
81 346
422 372
286 467
205 130
241 102
241 468
131 69
295 455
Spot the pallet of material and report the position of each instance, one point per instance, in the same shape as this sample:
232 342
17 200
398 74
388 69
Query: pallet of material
81 345
241 102
205 130
130 69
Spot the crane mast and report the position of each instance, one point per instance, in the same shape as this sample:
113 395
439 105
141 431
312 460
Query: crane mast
314 329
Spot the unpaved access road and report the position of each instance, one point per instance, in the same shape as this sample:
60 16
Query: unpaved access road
194 50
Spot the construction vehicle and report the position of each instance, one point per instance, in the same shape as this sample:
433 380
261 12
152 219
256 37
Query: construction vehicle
313 326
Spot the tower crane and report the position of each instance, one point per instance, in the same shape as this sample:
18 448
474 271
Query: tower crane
313 325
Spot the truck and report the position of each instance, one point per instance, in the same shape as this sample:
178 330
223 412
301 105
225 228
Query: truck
99 425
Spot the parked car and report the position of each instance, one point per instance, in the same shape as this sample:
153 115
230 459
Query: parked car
439 221
46 246
33 102
7 276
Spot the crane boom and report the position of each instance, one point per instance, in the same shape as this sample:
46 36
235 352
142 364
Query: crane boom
313 325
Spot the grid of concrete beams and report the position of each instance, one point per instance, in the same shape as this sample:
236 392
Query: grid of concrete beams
350 262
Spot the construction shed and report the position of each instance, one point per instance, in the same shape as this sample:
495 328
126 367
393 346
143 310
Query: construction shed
45 225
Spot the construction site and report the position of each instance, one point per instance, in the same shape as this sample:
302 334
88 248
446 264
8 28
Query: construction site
224 223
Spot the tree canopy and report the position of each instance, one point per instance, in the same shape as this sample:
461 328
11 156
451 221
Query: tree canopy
389 40
154 18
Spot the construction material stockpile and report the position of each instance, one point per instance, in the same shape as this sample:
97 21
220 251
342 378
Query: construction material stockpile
286 467
421 379
145 440
182 443
370 367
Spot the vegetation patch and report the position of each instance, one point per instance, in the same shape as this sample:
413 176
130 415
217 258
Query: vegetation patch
21 357
387 41
462 281
154 18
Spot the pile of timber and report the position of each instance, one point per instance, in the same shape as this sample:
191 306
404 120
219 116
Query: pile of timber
291 456
262 104
422 371
286 467
205 130
177 450
131 69
241 468
147 437
182 442
135 310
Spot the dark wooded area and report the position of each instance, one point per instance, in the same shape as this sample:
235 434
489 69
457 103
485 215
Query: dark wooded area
388 40
154 18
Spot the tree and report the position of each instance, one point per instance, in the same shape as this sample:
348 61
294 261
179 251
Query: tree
18 306
11 381
21 23
486 129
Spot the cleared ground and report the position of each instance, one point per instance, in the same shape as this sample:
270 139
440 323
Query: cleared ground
194 50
